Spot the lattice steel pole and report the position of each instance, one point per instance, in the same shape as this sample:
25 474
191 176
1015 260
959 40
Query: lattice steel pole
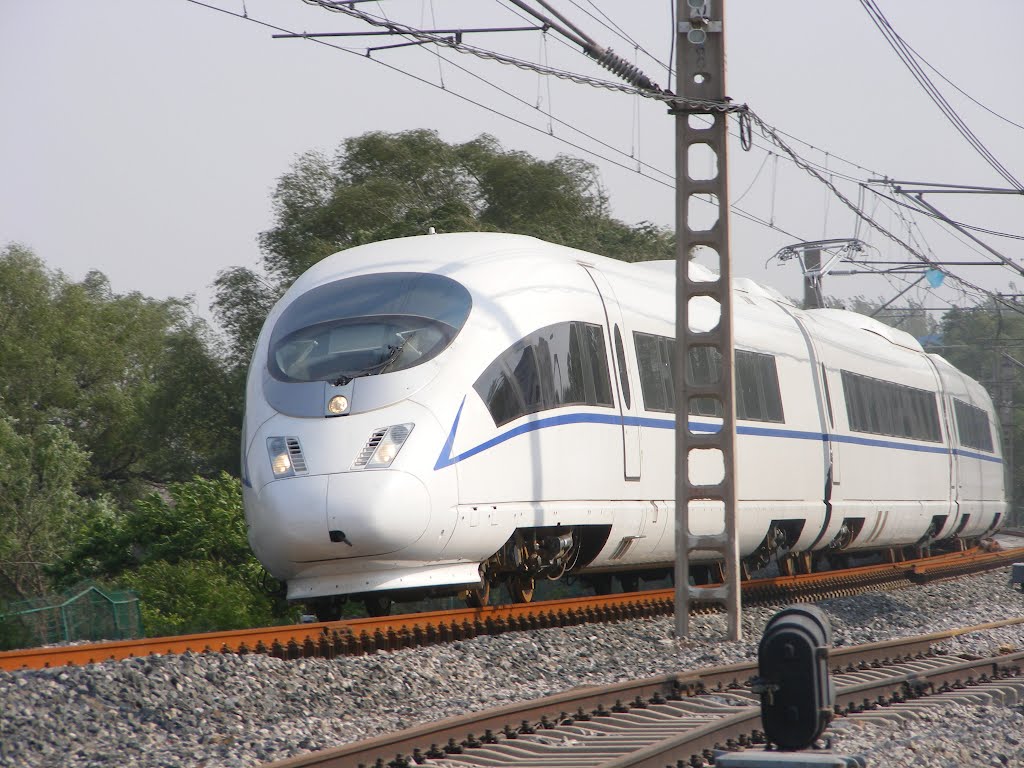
701 76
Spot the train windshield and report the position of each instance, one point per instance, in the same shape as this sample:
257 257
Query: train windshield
367 325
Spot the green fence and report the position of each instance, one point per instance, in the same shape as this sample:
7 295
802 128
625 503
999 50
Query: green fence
84 613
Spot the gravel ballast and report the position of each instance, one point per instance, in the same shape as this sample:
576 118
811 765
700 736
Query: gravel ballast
225 710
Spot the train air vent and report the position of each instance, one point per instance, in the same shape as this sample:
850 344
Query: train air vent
369 448
295 454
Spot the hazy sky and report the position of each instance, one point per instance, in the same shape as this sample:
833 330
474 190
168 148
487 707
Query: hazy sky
144 139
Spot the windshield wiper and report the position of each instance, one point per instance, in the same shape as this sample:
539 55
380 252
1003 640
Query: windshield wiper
393 352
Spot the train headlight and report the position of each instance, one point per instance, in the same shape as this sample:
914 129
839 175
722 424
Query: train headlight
280 461
337 405
382 447
286 457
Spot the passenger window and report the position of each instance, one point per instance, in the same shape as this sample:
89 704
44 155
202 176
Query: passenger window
556 366
972 426
748 403
620 356
705 365
886 408
758 397
655 372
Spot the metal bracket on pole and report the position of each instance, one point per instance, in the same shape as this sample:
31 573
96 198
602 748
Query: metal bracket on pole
701 76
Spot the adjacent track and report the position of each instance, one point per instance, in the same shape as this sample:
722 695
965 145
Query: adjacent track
358 636
678 719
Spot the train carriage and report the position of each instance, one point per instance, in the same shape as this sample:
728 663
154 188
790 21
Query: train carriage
449 412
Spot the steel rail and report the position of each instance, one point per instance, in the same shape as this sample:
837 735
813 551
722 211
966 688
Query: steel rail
357 636
670 717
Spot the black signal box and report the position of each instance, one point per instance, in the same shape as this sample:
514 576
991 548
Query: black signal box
793 677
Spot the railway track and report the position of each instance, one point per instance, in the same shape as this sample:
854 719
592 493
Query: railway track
680 720
359 636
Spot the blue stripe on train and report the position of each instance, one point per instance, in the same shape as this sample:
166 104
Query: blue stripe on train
445 459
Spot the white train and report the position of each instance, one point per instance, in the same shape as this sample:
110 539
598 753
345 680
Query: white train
448 412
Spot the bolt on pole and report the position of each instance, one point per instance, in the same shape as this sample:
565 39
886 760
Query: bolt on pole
701 133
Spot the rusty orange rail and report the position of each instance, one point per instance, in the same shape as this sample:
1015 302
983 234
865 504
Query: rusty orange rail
357 636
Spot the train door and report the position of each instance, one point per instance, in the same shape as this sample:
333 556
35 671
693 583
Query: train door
834 447
959 507
628 396
831 448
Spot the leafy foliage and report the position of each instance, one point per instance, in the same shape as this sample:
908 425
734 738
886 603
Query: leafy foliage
185 552
38 474
243 300
381 185
120 373
195 596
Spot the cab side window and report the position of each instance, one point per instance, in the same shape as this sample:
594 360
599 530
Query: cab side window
556 366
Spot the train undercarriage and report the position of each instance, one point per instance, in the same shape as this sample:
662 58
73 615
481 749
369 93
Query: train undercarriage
562 553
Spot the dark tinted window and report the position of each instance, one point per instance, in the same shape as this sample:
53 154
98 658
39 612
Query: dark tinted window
757 387
366 325
972 426
887 408
564 364
655 365
503 399
597 368
757 383
704 369
620 356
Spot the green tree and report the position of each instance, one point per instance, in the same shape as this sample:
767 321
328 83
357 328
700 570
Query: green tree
38 504
194 409
195 596
185 551
136 382
384 185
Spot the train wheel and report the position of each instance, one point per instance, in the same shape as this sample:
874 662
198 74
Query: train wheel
377 605
480 596
520 587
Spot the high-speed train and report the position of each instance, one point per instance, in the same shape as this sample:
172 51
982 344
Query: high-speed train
446 413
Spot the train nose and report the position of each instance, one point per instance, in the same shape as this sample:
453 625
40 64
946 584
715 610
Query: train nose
375 513
338 516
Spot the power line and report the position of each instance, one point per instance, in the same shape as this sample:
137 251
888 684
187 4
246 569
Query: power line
766 129
454 93
800 162
972 227
960 90
899 46
738 211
